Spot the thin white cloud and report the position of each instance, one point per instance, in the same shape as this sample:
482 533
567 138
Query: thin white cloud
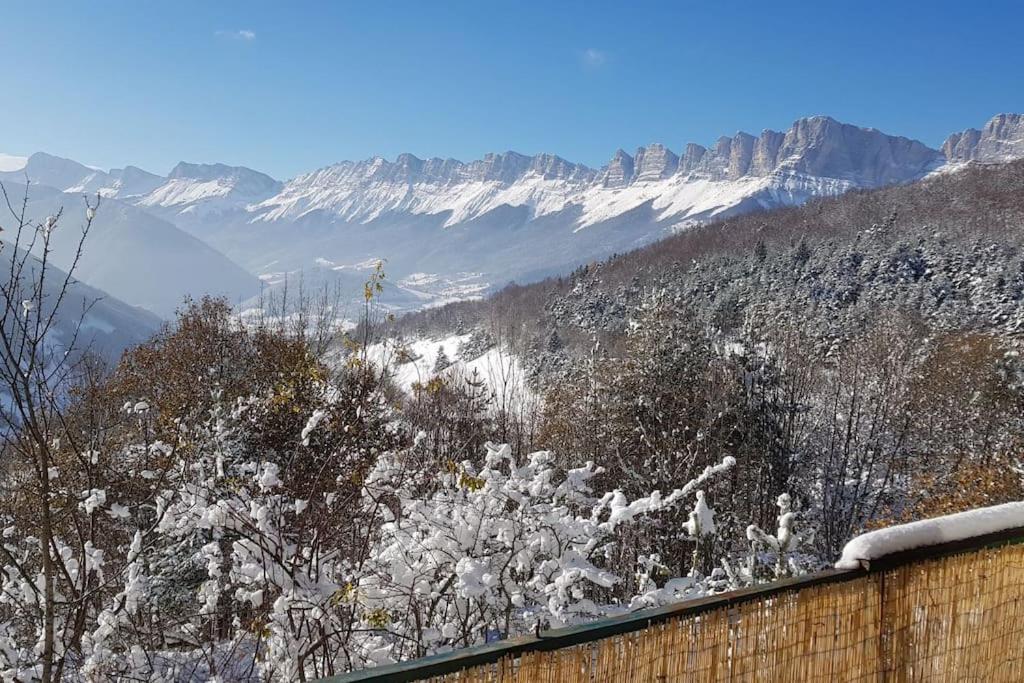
593 58
243 34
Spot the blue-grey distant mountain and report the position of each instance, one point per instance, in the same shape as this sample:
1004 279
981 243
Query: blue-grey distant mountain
106 326
132 254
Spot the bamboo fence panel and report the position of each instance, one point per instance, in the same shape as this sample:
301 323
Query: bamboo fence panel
953 618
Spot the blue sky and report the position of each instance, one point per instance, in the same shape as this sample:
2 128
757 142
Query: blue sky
288 87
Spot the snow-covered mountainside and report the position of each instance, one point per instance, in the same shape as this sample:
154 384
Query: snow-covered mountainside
450 229
816 156
206 188
187 188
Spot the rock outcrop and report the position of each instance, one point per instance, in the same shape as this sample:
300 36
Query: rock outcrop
1001 140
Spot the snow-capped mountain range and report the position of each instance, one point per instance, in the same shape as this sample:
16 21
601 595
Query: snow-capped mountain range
816 155
451 229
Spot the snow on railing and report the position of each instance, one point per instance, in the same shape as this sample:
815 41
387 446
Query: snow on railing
874 545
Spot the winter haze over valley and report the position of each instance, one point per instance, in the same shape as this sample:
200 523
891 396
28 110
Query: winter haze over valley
449 230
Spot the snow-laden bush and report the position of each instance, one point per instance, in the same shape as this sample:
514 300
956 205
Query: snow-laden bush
502 549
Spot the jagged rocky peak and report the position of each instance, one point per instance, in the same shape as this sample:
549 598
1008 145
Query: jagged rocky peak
553 167
961 146
731 157
441 170
692 157
619 171
404 169
654 162
409 163
505 168
408 168
511 166
819 146
1002 139
741 152
765 155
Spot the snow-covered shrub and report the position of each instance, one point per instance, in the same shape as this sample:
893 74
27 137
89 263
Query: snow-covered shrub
500 548
783 548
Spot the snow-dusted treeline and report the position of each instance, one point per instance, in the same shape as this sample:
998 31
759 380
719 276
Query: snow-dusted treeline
860 353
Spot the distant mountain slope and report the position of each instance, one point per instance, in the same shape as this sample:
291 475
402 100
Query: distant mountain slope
135 256
458 229
109 325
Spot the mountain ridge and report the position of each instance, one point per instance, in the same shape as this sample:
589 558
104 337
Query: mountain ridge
133 255
818 145
509 216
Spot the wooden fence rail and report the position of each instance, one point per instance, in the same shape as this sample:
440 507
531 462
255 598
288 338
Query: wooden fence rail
951 612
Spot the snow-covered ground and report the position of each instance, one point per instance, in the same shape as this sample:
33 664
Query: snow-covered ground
411 362
253 317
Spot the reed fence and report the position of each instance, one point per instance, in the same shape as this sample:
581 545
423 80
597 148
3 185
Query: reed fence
952 612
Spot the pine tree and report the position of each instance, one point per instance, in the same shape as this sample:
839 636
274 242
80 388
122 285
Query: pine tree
442 362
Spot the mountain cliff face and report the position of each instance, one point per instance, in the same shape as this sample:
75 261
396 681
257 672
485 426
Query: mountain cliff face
818 146
1000 141
816 154
512 216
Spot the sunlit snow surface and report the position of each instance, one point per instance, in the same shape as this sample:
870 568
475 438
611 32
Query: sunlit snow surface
340 191
408 363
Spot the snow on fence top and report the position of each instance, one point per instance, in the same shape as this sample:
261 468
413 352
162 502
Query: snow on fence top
877 544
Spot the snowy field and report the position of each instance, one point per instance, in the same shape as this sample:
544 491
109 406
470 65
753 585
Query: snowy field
410 362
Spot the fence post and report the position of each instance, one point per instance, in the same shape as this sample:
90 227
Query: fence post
882 658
